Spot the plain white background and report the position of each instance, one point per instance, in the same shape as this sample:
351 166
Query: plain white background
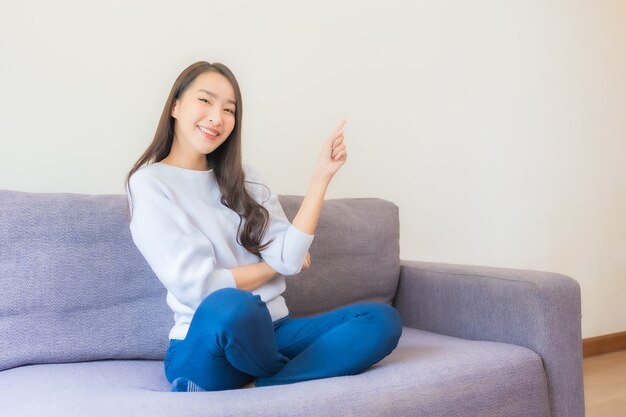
498 128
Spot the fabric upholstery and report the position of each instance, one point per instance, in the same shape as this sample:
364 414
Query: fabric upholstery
427 375
538 310
74 286
355 255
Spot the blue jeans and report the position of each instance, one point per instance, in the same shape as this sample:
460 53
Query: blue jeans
232 341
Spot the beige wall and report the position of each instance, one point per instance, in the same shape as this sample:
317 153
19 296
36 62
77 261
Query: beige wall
499 128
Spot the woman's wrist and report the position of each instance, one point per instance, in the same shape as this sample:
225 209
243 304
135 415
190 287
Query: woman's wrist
320 180
317 188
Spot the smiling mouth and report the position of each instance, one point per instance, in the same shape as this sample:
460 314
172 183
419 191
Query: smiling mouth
208 133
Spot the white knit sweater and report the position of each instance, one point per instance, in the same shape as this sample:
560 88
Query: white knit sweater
189 238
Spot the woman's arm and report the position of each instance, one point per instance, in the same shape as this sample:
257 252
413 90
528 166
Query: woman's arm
251 277
332 157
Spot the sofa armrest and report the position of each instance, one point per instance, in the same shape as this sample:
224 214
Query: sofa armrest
537 310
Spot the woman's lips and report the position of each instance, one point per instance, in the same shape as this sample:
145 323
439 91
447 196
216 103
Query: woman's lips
208 135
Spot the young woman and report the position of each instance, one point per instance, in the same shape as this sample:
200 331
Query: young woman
219 241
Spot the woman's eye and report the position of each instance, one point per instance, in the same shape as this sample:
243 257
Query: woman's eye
230 111
204 99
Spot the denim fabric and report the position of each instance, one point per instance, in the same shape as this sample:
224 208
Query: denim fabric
233 341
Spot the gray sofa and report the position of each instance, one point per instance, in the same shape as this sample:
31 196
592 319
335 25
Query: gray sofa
84 323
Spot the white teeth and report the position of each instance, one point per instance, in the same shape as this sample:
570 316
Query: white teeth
207 131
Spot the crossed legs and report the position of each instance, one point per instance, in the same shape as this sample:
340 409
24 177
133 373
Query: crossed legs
232 341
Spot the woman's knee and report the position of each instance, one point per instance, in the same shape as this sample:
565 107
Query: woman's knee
388 322
231 306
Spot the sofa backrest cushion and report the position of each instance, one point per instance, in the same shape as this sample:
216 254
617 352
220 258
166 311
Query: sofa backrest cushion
355 256
73 286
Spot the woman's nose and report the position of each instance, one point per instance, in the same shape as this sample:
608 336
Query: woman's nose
215 116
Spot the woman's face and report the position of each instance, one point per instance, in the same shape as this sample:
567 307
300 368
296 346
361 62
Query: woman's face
205 114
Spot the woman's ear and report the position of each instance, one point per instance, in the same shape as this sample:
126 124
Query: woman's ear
174 109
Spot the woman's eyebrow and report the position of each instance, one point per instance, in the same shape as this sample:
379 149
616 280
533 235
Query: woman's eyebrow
212 94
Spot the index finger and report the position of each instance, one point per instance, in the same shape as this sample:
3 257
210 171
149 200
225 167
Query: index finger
339 127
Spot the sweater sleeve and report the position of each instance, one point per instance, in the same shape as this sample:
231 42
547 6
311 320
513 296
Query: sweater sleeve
180 255
289 246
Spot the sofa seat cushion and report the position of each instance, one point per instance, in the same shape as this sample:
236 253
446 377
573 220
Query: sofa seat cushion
427 374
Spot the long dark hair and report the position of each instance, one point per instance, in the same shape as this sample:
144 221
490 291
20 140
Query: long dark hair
226 160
